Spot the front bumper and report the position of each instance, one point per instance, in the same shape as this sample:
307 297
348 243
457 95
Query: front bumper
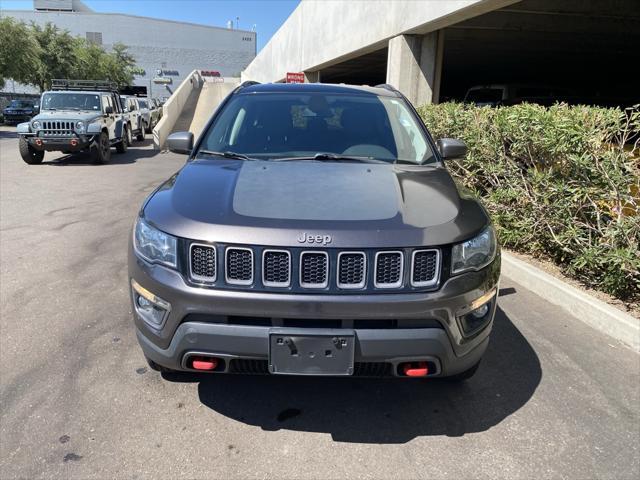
187 329
74 143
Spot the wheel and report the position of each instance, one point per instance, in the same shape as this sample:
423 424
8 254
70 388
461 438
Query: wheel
158 368
140 136
29 154
462 376
101 153
123 145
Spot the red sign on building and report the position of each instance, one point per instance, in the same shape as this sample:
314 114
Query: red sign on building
295 77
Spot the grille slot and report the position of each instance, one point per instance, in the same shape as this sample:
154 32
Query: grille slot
202 259
276 268
239 266
314 269
389 269
424 267
352 269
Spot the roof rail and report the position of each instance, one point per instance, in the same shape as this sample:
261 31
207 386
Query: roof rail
83 85
248 83
386 86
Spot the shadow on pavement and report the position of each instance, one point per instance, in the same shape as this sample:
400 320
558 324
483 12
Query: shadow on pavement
383 410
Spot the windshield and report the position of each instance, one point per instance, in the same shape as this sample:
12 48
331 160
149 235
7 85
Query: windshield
20 104
285 125
70 101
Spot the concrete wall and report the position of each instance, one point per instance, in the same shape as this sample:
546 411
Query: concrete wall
324 32
179 46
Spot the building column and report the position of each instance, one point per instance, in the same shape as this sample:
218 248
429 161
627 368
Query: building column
414 66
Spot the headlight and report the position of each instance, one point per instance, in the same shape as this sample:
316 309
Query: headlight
153 245
80 127
35 125
474 254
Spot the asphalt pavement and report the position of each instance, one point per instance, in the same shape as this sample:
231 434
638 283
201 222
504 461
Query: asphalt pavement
552 399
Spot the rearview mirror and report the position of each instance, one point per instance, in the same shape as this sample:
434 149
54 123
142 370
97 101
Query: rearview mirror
451 148
180 142
108 110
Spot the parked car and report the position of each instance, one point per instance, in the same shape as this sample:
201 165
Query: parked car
147 115
512 94
156 112
19 111
75 115
314 230
134 116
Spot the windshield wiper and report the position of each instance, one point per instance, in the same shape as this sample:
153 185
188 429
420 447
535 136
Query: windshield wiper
331 157
227 154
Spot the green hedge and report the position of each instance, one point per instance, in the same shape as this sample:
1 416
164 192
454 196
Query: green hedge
561 182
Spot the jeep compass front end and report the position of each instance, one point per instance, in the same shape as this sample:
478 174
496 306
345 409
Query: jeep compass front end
314 230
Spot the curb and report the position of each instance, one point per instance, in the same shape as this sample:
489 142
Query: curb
584 307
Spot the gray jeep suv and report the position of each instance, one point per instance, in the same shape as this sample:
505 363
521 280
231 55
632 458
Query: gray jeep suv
76 115
314 230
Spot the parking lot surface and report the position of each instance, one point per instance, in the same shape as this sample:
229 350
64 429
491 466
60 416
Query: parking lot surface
553 398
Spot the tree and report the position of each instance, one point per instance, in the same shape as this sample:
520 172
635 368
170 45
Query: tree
36 54
57 55
19 51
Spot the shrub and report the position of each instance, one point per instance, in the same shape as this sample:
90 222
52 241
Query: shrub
561 182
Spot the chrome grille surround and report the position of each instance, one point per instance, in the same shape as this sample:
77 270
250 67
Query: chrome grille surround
312 271
379 276
340 274
433 264
273 283
238 278
211 258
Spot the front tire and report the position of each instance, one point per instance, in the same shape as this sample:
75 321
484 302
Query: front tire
101 153
123 145
29 154
140 136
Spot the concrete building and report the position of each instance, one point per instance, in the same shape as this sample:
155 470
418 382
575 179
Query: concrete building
434 50
166 50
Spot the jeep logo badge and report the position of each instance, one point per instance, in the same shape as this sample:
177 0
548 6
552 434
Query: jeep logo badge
309 238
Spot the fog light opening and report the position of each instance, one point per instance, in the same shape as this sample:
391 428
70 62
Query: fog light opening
477 315
152 309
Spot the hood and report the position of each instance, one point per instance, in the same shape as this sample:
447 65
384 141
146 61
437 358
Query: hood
74 115
274 203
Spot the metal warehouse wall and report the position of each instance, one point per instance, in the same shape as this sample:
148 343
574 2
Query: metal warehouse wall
158 44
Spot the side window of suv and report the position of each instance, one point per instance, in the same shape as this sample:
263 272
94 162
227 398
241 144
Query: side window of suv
106 102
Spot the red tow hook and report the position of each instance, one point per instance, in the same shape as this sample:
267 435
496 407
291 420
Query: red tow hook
415 369
204 363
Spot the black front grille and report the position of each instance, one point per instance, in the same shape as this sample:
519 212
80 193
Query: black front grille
239 266
389 269
313 269
248 366
261 367
425 267
58 127
203 262
351 270
276 268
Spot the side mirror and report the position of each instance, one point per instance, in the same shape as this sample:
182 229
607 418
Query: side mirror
451 148
108 110
180 142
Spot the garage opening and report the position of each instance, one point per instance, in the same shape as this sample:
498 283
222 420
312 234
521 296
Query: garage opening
575 50
368 69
